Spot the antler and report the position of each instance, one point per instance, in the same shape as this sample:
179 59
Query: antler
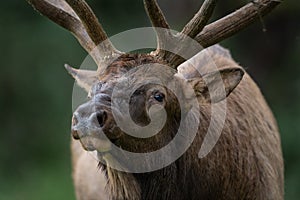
233 23
198 22
158 20
77 17
206 35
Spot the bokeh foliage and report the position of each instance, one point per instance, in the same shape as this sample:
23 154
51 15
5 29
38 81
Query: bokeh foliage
35 94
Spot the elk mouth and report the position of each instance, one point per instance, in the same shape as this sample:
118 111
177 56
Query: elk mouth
95 144
98 139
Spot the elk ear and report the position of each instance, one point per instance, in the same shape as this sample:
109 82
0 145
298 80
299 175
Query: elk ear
84 78
216 86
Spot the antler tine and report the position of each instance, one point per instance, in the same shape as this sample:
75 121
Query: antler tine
63 17
231 24
197 23
92 25
158 20
156 15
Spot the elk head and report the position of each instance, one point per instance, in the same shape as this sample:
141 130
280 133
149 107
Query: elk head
96 123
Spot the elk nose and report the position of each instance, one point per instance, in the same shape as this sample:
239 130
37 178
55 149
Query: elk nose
84 124
101 117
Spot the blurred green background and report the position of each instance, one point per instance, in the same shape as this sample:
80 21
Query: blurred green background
35 94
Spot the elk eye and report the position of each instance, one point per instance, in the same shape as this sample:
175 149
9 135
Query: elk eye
159 97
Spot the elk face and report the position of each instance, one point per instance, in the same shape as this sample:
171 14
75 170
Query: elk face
154 108
149 104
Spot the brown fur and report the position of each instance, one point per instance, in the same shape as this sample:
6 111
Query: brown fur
246 162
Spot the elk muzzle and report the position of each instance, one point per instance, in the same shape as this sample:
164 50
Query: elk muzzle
88 124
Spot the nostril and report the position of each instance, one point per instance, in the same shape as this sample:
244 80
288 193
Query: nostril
75 134
101 118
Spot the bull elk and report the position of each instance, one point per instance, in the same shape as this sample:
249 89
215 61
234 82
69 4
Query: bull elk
246 160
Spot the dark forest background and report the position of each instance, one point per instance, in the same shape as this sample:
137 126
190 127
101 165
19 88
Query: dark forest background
36 91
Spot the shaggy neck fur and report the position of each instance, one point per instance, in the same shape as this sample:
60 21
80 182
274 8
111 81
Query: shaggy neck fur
161 184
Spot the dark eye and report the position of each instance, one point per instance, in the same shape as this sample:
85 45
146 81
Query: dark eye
159 97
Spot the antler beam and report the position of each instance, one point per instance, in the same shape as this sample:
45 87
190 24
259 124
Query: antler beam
233 23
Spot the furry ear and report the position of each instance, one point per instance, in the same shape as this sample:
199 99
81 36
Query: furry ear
84 78
216 86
